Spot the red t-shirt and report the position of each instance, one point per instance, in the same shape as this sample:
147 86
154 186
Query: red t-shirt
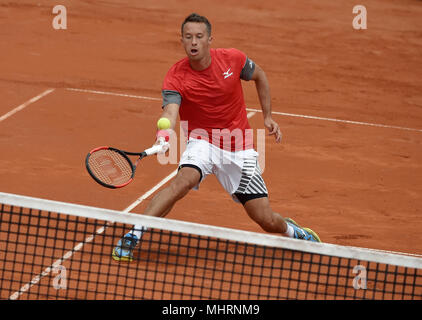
212 100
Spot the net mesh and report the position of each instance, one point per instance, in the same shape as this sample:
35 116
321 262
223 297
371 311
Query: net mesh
46 254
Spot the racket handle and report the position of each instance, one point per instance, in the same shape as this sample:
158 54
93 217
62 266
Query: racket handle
157 148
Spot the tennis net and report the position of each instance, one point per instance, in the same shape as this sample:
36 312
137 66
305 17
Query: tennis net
56 250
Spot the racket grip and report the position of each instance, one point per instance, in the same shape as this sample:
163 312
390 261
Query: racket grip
157 148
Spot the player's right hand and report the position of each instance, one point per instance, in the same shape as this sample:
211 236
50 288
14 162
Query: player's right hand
163 136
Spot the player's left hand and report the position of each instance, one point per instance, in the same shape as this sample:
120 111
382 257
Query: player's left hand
273 129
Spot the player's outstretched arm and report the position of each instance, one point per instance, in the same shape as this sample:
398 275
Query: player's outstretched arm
263 89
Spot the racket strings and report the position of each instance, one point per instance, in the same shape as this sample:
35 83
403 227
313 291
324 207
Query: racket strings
110 167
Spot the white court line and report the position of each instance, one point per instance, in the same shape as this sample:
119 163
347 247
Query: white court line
340 120
274 112
24 105
251 114
90 238
113 94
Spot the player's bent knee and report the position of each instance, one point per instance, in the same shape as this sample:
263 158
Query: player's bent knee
183 184
191 175
180 188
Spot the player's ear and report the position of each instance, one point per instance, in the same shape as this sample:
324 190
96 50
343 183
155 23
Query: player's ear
210 39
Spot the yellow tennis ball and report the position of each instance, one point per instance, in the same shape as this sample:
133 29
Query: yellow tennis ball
163 124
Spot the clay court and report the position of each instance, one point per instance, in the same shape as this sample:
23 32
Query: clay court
349 104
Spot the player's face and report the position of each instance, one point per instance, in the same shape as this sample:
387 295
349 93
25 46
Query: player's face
195 40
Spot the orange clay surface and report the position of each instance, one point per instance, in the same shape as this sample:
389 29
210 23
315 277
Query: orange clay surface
354 184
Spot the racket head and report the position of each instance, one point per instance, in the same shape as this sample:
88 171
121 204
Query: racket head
110 167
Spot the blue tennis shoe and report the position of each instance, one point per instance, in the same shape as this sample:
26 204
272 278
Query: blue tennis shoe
303 233
124 249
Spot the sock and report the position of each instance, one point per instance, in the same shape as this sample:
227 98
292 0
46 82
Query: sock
290 231
138 230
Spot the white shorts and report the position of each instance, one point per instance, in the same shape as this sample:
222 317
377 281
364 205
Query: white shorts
238 172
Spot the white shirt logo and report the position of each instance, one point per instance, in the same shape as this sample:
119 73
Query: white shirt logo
227 73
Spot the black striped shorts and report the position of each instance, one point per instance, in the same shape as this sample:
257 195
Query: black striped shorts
238 172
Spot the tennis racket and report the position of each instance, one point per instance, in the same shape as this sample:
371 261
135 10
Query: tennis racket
112 168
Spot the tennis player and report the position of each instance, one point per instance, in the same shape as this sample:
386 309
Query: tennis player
205 90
